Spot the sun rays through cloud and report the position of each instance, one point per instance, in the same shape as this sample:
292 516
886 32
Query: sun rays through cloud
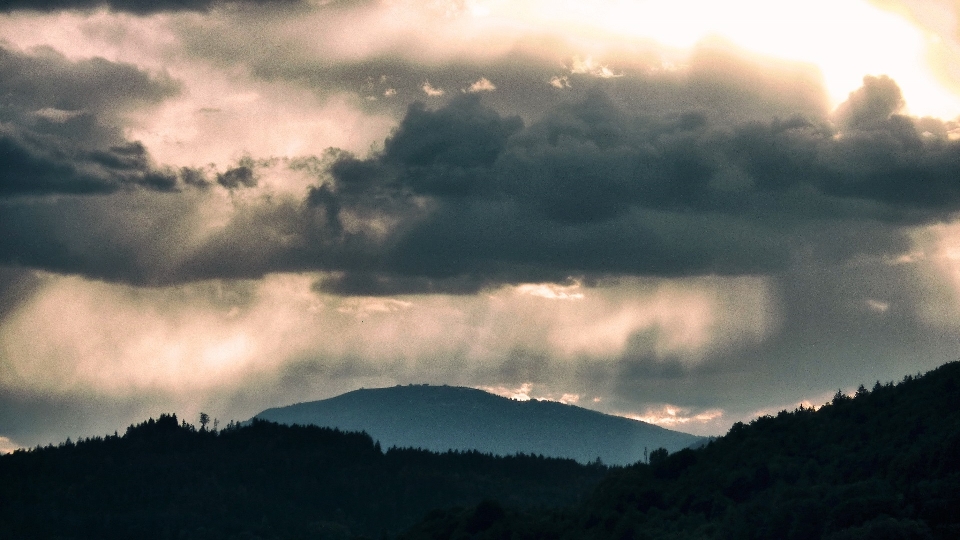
681 212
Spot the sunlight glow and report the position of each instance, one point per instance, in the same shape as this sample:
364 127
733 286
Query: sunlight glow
522 393
482 85
668 415
937 259
844 39
525 393
551 291
7 446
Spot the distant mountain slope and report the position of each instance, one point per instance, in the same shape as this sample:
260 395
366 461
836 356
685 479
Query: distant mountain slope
883 464
441 418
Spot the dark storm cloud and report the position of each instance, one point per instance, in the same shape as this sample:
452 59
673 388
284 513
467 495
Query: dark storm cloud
240 176
145 237
45 79
60 124
74 235
872 105
594 188
463 197
140 7
31 169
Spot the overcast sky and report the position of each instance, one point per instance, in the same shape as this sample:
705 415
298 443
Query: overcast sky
690 213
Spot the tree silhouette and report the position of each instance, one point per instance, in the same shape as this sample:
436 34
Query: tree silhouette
658 456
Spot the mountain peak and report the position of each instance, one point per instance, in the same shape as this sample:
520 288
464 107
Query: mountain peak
442 418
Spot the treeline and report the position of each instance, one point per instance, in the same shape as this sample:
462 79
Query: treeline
883 464
166 479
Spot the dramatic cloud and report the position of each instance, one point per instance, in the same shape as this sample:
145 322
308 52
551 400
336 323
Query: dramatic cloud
594 189
235 346
226 206
60 128
462 197
139 7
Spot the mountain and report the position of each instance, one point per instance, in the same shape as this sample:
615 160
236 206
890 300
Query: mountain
882 464
163 479
441 418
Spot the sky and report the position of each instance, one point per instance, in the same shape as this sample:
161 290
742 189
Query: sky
689 213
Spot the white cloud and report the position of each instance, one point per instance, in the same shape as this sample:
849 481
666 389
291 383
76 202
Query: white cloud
58 116
551 291
525 392
521 393
589 66
673 415
481 85
366 306
877 306
686 419
429 90
7 446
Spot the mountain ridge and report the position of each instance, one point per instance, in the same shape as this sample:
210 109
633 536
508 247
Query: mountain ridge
441 418
878 464
882 463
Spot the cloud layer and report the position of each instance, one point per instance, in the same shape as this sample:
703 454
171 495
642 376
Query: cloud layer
238 205
462 197
60 130
140 7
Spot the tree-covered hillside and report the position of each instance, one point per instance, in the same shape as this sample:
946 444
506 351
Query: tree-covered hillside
165 479
883 464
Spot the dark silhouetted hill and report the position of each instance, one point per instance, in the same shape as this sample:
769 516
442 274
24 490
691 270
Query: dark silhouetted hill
441 418
884 464
164 479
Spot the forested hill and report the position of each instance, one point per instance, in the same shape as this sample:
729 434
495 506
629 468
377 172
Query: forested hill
884 464
448 417
163 479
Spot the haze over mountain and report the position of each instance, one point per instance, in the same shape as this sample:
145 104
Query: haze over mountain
442 418
229 205
879 464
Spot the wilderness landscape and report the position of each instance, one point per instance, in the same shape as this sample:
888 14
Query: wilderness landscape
873 465
685 213
689 214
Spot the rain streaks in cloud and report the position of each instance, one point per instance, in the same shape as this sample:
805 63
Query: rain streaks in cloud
235 205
